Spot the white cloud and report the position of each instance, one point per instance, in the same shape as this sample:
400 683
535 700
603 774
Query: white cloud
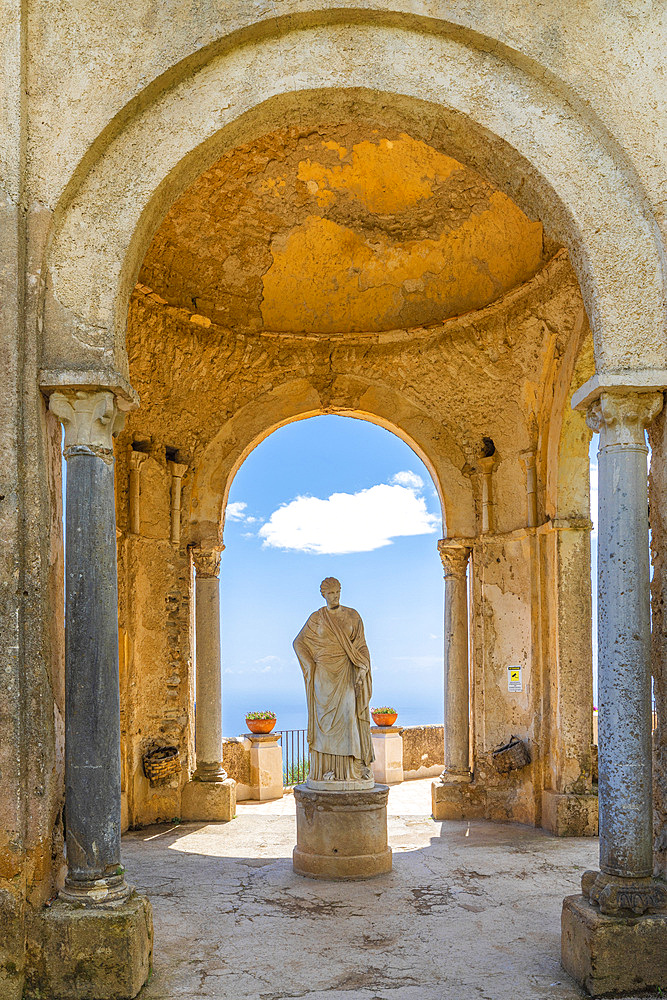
409 479
235 511
350 522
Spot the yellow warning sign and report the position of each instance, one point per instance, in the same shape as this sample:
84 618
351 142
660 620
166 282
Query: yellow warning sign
514 682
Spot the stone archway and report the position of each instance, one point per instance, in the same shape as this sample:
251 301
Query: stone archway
488 103
509 122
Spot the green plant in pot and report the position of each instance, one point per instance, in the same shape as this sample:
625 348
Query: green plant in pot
384 716
260 722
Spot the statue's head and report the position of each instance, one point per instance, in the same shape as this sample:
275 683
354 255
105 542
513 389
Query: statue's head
330 591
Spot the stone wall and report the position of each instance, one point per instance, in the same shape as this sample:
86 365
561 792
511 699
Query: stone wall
423 751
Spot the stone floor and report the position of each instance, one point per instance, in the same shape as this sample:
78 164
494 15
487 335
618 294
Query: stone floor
471 910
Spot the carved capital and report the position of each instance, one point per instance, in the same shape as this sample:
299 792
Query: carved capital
622 416
137 459
454 558
90 418
207 562
177 469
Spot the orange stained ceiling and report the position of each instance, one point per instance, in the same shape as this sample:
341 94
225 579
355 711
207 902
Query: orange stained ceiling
348 229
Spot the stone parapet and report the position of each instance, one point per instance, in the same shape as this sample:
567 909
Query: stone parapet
423 751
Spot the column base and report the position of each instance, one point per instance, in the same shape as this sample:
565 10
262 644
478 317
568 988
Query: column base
209 801
209 772
569 815
457 799
341 835
613 955
92 954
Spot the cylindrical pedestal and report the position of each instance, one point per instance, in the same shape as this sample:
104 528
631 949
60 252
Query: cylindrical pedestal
341 835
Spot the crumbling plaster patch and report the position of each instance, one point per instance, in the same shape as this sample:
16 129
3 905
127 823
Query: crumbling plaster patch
328 232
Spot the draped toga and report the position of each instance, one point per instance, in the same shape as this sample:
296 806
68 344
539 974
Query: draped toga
333 654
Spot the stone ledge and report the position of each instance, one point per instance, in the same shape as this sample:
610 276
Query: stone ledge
209 801
92 953
613 956
569 815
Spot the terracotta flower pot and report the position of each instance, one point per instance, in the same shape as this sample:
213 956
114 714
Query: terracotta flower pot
260 725
384 718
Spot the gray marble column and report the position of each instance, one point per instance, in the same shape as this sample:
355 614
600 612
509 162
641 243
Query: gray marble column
92 718
454 557
624 883
208 717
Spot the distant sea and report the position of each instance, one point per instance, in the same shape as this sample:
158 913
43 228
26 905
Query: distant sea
294 716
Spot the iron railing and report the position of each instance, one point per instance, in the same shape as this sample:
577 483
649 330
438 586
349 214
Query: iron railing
295 756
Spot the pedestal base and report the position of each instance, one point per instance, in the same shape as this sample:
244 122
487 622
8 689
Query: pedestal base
570 815
388 748
457 800
613 955
209 801
341 835
93 954
266 766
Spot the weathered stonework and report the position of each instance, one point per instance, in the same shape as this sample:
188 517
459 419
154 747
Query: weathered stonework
162 154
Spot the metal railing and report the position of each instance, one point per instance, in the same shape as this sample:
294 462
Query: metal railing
295 756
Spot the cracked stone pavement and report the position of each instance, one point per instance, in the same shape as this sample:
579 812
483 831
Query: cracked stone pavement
470 910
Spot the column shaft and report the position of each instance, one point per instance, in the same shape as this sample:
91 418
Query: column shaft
457 684
92 717
208 718
624 631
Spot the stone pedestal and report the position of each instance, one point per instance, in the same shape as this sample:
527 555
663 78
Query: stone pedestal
93 953
613 955
209 801
266 766
341 835
388 749
570 815
457 800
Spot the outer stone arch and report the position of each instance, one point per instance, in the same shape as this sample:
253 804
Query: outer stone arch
297 400
522 127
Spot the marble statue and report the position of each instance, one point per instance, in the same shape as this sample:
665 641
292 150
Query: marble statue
336 665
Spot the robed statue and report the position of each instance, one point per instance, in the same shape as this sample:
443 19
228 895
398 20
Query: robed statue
336 665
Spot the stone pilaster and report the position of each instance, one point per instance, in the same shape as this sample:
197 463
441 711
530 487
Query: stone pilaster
136 460
92 719
208 719
454 557
177 471
487 465
528 460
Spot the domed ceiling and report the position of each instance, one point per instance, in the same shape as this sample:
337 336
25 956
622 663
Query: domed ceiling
347 229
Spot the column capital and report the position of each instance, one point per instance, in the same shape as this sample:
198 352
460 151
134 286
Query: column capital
454 555
91 418
177 469
136 458
622 415
207 561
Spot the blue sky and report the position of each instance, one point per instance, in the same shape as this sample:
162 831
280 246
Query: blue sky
310 491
